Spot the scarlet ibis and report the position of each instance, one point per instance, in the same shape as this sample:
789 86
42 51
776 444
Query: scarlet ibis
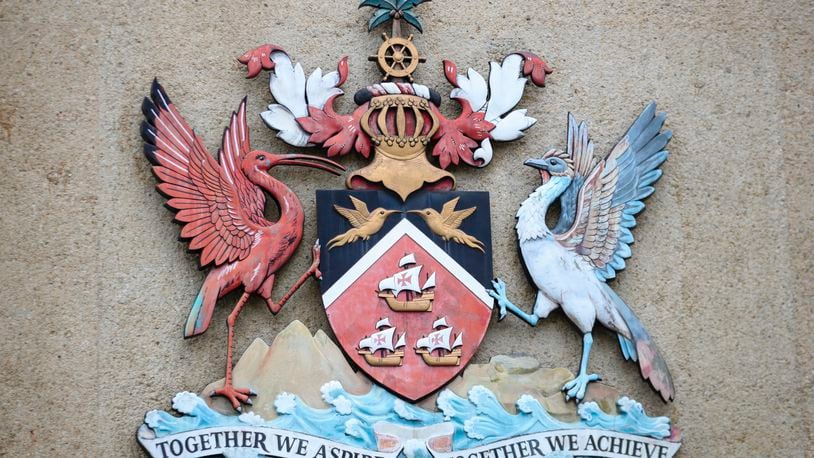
221 205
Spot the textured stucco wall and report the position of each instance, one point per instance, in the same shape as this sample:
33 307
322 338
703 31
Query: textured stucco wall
95 286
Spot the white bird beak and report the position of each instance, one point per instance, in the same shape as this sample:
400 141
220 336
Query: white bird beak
541 166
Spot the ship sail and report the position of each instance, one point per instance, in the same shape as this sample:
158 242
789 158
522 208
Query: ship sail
384 322
430 283
401 341
440 322
382 340
407 260
406 280
459 340
436 340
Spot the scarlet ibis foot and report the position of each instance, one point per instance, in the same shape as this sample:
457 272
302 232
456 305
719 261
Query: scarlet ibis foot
235 395
314 269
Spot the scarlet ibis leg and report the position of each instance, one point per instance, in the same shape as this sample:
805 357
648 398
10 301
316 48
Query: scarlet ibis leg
275 307
235 395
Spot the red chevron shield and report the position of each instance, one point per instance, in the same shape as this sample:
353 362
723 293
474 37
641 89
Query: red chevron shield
406 312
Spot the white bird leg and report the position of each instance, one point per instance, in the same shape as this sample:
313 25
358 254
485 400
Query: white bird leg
499 293
576 388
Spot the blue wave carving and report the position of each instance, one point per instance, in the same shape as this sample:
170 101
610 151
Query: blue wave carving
478 419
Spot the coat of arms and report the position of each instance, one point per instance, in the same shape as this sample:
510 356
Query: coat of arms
404 263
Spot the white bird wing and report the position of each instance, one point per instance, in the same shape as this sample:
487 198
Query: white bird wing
580 150
506 85
320 88
472 88
288 87
613 192
280 118
287 84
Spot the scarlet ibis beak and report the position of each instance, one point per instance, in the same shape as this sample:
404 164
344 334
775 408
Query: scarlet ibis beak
315 162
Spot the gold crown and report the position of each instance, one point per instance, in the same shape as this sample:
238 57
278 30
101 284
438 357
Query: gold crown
400 126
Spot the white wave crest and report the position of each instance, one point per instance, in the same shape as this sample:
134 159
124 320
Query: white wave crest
471 426
354 428
153 419
401 410
251 418
527 404
444 403
285 403
343 405
185 402
330 391
479 394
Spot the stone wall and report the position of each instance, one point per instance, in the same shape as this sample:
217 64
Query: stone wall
96 287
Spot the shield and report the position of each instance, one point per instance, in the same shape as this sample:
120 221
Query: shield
404 283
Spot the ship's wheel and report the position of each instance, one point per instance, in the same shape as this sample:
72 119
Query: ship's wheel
398 57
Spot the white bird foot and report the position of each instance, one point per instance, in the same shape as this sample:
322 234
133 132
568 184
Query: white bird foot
499 293
575 389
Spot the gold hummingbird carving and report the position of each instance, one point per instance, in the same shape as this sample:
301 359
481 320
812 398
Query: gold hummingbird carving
446 223
365 223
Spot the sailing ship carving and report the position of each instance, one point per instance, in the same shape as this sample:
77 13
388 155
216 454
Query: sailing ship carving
378 348
401 291
438 342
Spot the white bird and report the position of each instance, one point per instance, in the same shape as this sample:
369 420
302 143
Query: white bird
571 263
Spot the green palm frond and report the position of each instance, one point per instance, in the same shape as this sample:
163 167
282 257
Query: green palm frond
387 9
412 19
386 4
381 16
410 4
